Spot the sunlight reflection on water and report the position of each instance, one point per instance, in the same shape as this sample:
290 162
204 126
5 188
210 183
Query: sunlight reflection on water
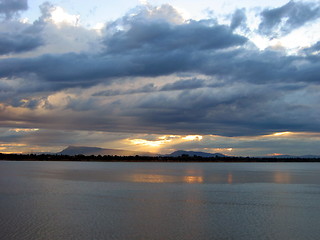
192 174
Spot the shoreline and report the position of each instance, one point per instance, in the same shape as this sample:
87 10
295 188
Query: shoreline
137 158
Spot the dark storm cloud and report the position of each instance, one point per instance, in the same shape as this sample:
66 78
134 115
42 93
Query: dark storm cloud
9 8
17 43
148 88
288 17
151 88
184 84
83 70
255 94
205 111
155 47
163 36
150 57
73 69
239 18
228 111
19 37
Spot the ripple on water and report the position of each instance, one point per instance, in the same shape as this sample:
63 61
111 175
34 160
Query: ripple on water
158 201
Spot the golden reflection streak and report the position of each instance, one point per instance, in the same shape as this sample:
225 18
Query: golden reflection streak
193 179
282 177
151 178
230 178
158 178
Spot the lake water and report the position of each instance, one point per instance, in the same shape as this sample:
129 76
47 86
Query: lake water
85 201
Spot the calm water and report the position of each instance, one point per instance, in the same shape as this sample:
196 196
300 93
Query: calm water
80 200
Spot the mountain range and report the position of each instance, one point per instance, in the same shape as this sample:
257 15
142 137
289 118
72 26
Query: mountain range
76 150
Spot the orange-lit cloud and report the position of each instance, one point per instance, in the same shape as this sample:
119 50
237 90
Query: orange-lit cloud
192 138
24 129
12 145
223 149
275 154
163 141
281 133
148 143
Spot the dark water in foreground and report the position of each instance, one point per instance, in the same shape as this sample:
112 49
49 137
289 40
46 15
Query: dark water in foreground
81 200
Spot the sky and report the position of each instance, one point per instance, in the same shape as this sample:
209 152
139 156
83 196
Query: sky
235 77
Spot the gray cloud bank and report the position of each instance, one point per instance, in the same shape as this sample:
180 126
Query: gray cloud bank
9 8
242 91
16 43
288 17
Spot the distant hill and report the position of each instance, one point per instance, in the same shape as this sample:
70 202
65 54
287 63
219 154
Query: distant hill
87 151
310 156
76 150
291 156
192 153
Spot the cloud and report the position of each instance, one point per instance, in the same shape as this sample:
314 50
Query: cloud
57 15
312 50
153 72
281 21
178 85
17 43
18 37
193 47
158 36
148 88
146 48
239 18
147 11
9 8
298 144
184 84
231 109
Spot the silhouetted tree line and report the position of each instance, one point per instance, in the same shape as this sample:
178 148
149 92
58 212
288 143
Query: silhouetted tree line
137 158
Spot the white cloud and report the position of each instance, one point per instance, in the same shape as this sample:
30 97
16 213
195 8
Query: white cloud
60 16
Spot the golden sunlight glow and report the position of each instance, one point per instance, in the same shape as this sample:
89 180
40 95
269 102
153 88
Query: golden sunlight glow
24 129
10 148
163 140
281 133
148 143
12 145
193 138
12 152
223 149
275 154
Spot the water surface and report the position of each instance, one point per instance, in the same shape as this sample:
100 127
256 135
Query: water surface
82 200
